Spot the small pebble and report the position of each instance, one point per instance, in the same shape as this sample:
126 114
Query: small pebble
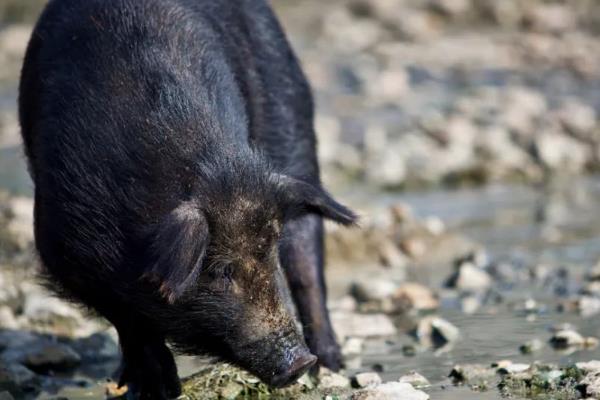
436 332
531 346
352 346
415 379
329 379
365 379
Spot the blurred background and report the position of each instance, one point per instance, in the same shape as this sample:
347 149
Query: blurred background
465 132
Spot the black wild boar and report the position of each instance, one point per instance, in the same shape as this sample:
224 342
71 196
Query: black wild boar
177 188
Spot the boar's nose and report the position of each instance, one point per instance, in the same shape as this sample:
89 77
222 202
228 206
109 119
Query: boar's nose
302 362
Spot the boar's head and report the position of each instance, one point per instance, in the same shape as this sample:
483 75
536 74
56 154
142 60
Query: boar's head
217 266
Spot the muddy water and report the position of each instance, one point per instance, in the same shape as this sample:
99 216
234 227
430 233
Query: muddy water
555 226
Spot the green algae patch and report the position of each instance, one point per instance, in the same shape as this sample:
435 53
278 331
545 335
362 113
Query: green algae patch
543 383
226 382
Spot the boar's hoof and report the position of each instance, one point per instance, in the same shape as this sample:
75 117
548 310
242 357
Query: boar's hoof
149 379
296 370
328 353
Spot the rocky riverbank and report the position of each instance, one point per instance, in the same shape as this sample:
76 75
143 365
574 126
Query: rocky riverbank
414 93
425 92
390 319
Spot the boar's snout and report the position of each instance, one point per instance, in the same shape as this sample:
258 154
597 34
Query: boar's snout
302 361
277 359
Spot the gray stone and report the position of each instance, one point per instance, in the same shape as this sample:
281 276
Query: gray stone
12 339
97 347
18 380
6 396
43 356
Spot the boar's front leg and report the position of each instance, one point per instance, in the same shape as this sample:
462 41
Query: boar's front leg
301 254
148 367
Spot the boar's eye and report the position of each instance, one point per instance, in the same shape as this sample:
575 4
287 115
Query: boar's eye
222 272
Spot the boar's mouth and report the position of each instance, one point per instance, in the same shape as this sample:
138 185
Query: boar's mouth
278 359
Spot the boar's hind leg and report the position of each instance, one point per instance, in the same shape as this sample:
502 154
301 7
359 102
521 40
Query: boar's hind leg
302 259
148 367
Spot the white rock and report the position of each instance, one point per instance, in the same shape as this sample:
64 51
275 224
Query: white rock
7 318
353 346
365 379
387 168
495 145
470 304
391 256
560 152
416 25
415 379
591 383
390 391
589 366
361 325
21 225
513 368
390 85
551 18
373 289
578 118
39 306
504 13
451 8
567 338
349 33
329 379
434 225
529 100
470 278
346 303
414 296
588 305
436 332
328 130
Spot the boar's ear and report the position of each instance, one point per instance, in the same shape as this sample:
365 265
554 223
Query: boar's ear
305 197
177 248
